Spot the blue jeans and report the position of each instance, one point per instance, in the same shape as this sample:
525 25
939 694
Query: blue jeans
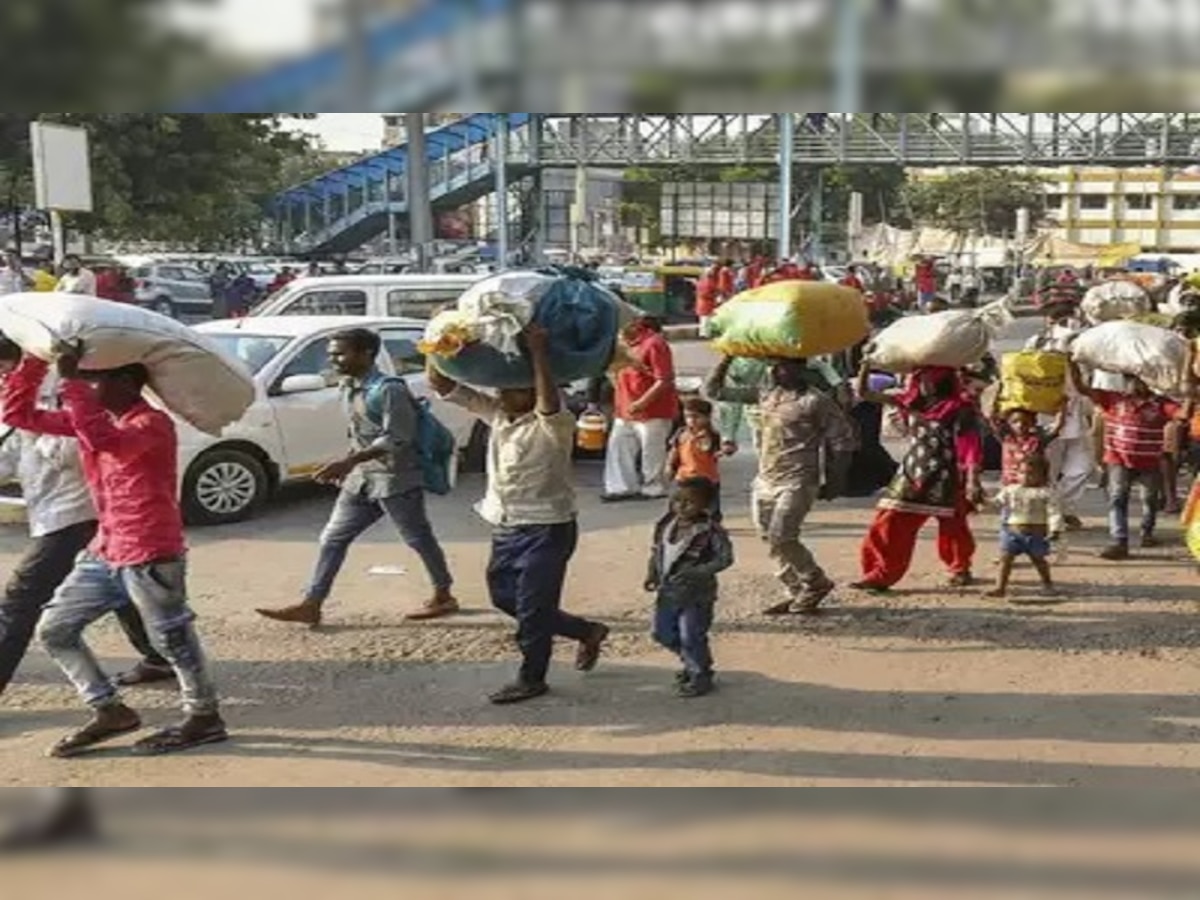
355 513
1120 488
159 591
683 629
525 578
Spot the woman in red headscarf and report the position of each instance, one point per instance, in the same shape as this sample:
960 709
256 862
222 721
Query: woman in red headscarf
938 478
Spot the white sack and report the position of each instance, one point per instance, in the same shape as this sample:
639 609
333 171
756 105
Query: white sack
955 338
1114 300
189 374
1157 356
494 311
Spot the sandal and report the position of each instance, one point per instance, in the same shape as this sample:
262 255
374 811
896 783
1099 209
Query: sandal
109 722
194 731
518 692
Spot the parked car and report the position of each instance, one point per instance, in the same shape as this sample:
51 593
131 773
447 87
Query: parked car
366 295
172 289
296 423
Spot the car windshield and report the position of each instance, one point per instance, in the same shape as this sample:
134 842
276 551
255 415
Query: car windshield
254 350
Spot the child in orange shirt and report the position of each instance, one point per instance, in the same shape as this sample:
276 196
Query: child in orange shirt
696 450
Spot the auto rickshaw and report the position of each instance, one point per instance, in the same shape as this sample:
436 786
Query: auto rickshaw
666 292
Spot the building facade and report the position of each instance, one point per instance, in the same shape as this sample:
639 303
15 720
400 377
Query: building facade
1154 206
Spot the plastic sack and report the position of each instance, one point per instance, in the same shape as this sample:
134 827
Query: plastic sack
1114 300
189 374
790 320
1034 379
1155 355
955 338
478 342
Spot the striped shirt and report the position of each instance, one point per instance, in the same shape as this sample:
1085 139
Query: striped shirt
1133 428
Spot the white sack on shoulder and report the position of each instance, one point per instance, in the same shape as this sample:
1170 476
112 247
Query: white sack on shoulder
1156 355
189 373
954 338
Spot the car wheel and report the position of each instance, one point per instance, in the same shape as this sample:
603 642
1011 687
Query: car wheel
224 486
164 307
474 455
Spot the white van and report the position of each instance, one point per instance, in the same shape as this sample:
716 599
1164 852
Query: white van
387 296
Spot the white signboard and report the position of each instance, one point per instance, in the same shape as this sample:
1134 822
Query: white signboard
745 210
62 170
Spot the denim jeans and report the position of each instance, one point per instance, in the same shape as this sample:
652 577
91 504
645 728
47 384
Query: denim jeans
353 514
1120 487
159 591
683 629
525 578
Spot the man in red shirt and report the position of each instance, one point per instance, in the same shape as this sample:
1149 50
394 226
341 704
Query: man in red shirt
646 408
755 272
1133 449
707 297
925 279
129 451
851 279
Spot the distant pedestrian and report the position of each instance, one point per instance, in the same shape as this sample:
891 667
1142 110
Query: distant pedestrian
76 279
13 277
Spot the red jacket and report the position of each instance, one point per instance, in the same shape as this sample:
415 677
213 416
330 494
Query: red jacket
130 463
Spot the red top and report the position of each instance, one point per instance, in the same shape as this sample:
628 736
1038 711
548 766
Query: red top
130 463
926 278
725 283
754 273
1017 451
652 350
706 294
851 281
108 284
1133 428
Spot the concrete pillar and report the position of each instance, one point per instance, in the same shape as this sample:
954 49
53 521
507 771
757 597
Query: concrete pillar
420 209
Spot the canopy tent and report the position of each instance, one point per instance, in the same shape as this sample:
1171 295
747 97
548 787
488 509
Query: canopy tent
1052 251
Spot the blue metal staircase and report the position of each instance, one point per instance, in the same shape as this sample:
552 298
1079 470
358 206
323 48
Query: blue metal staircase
341 210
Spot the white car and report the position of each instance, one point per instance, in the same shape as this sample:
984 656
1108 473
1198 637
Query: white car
296 423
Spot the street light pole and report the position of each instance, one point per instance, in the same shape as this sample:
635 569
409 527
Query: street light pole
500 123
787 142
849 40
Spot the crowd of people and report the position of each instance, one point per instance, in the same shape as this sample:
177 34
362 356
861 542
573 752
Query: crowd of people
98 467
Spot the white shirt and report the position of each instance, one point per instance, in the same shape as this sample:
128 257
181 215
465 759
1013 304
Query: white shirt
51 478
82 282
529 464
13 282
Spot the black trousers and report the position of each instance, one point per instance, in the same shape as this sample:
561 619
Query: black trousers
45 565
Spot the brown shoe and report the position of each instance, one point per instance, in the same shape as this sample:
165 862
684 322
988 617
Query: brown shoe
306 613
588 654
437 608
1115 552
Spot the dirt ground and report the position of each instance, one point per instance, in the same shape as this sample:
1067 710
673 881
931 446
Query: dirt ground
928 687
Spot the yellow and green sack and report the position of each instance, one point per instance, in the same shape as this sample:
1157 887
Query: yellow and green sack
1033 379
1191 520
790 320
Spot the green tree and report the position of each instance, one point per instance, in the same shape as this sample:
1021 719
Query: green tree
984 200
194 180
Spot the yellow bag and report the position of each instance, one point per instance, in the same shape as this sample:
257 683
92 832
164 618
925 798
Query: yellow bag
1191 520
1033 379
790 320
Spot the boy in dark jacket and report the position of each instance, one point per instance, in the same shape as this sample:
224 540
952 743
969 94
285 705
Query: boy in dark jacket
690 549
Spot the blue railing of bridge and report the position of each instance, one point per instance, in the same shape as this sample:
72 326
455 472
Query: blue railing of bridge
323 208
304 85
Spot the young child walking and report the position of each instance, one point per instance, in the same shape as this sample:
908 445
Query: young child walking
690 549
1021 438
1030 514
1134 423
696 450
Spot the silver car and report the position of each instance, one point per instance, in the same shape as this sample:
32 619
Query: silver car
173 289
